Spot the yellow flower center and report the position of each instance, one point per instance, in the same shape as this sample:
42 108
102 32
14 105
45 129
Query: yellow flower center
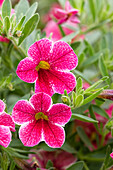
41 115
43 65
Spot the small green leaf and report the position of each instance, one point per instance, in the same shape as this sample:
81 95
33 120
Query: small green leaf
84 118
84 137
79 100
77 166
6 24
12 165
21 9
91 97
100 111
81 58
1 24
6 8
68 148
103 68
75 45
92 9
96 84
31 12
93 116
19 24
79 84
30 25
49 164
91 51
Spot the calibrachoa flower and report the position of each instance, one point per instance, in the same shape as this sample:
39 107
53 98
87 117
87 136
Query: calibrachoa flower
48 65
68 14
6 124
40 121
61 160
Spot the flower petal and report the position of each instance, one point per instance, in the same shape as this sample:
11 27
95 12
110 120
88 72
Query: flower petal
41 102
23 112
59 113
51 81
63 57
6 120
2 106
40 50
26 70
43 83
54 135
62 81
59 13
5 136
31 133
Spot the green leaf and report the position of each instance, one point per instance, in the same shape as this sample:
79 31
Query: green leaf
103 68
82 75
96 84
92 9
91 51
21 9
100 111
1 24
68 148
106 160
12 166
79 84
79 100
31 11
93 116
92 59
84 118
77 166
75 45
69 37
6 24
19 24
6 8
49 164
81 58
30 25
91 97
84 137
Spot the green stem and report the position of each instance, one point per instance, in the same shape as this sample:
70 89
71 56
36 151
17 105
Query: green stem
61 30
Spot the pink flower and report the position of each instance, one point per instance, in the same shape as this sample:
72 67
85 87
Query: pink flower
61 160
48 66
49 16
6 124
111 155
40 121
1 2
68 14
52 27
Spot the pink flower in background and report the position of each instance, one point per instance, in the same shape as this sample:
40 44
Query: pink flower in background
61 159
48 65
52 27
68 14
111 155
6 126
49 16
1 2
40 121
